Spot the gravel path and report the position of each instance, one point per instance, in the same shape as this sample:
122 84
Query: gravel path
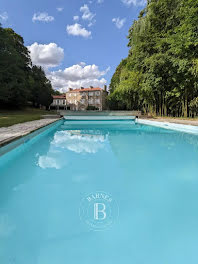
175 120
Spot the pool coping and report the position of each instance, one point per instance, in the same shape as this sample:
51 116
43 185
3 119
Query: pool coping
25 138
190 129
11 139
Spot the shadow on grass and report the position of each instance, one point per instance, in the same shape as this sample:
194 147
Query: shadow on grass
12 117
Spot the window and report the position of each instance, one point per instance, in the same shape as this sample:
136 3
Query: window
90 101
82 101
97 101
98 93
57 102
91 93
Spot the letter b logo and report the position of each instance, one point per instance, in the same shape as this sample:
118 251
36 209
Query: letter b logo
99 211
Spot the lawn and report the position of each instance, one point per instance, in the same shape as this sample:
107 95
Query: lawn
11 117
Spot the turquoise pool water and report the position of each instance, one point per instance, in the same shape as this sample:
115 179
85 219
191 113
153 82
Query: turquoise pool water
152 173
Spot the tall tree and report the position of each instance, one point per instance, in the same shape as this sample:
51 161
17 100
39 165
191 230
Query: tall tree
41 89
164 52
14 68
19 81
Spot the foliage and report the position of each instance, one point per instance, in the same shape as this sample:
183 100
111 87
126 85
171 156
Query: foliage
194 106
41 89
92 108
160 74
56 92
18 81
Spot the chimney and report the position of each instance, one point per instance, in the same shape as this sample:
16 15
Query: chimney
105 88
82 88
70 89
91 87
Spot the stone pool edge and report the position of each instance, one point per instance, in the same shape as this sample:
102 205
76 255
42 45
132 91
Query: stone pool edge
191 129
14 138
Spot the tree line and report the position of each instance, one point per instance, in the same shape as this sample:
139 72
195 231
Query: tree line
160 74
21 83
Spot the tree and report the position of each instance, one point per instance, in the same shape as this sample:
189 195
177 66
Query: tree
163 46
194 106
41 89
19 81
14 68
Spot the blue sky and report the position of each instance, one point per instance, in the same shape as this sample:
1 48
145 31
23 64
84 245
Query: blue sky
74 52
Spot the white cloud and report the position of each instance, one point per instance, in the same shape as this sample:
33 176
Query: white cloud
44 17
91 24
87 14
134 2
4 16
119 22
76 76
82 63
47 55
76 18
78 143
46 162
59 9
100 1
79 75
57 155
78 30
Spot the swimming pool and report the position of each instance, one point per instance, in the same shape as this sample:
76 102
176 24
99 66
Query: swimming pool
151 173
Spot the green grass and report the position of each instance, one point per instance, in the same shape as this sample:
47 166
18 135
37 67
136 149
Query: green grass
12 117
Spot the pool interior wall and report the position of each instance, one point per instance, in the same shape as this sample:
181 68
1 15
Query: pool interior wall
150 171
166 125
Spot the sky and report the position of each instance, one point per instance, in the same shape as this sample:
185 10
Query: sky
79 43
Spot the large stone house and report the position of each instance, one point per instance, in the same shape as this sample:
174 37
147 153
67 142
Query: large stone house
86 98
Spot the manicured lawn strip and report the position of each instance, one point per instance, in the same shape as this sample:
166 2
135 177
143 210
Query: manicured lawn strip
9 118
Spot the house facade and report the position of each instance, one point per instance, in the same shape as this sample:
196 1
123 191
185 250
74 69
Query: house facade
59 102
86 99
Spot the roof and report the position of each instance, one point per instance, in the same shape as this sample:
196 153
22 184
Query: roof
59 96
86 90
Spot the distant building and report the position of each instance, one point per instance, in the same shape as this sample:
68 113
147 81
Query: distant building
86 99
59 102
